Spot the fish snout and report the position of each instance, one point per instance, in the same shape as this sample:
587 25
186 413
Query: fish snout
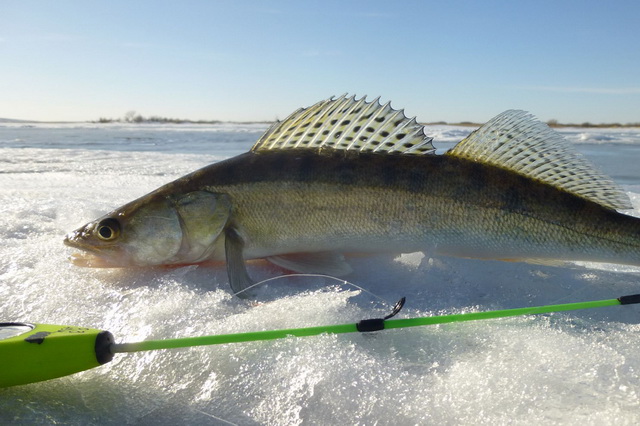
71 238
74 238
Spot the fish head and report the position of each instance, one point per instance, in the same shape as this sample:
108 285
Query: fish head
157 229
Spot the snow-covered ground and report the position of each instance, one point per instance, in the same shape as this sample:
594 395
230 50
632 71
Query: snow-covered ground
571 368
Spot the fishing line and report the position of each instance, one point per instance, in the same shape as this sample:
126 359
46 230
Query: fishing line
300 275
216 418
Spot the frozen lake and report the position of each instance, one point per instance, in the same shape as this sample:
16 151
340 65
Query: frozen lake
569 368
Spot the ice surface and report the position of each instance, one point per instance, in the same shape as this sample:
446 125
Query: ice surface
570 368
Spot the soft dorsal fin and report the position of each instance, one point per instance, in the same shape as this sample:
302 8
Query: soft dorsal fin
514 140
348 124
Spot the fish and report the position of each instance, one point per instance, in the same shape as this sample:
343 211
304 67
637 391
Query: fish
348 175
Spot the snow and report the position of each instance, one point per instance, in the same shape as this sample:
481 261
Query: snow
569 368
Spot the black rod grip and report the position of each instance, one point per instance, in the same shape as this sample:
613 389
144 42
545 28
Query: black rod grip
630 299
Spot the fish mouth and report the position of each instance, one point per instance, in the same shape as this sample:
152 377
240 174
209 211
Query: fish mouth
89 260
89 256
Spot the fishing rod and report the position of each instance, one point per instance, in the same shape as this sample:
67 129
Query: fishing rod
32 353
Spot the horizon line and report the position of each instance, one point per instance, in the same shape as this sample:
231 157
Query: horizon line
166 120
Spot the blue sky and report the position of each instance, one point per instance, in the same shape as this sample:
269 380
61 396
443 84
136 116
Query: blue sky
573 61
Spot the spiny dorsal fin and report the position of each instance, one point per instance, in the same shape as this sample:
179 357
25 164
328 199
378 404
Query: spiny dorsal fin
516 141
348 124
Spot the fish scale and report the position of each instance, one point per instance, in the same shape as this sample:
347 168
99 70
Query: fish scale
455 207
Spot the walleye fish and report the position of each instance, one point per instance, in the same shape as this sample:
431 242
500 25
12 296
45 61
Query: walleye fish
346 175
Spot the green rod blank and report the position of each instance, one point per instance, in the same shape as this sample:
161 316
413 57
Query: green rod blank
149 345
474 316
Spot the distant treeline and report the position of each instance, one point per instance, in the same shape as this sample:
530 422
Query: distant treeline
155 119
134 117
550 123
554 123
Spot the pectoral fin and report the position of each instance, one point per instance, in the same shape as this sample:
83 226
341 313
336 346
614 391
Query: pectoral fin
329 263
236 269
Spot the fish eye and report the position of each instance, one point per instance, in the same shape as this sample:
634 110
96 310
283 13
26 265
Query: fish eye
108 229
